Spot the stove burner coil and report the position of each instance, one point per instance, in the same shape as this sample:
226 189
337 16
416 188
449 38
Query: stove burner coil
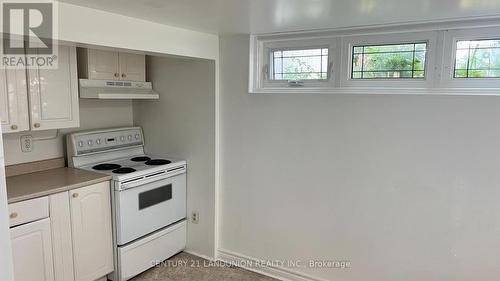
125 170
106 167
156 162
140 159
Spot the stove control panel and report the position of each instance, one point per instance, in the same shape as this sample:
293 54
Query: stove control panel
97 141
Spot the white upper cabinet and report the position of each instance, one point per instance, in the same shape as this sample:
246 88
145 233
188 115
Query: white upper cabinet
92 234
53 93
132 67
111 65
13 100
103 65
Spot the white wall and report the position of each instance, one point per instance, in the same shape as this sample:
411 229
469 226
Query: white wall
182 124
405 187
94 114
95 27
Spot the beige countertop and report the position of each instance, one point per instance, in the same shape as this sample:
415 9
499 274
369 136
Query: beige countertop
39 184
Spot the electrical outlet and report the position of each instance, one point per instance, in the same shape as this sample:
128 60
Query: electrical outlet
27 143
195 217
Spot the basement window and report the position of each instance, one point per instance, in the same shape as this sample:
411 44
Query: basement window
394 61
299 64
477 59
451 59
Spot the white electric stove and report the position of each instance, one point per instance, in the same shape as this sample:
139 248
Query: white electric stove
149 196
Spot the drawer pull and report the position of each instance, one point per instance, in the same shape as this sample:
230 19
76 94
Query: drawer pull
75 195
37 125
13 127
13 215
124 75
117 75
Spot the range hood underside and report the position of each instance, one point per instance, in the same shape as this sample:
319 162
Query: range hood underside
100 89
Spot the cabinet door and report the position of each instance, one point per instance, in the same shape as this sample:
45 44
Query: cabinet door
62 245
32 251
103 65
13 100
92 234
132 67
53 93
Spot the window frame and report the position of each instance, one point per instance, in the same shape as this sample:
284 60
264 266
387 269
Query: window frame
261 71
441 38
412 70
451 37
271 64
349 42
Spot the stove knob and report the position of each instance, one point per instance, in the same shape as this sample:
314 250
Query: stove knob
137 136
122 138
90 142
98 141
129 137
80 143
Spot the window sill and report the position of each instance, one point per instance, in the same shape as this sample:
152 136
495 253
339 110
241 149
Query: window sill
381 91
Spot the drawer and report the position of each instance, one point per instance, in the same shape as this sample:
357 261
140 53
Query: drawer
144 253
28 211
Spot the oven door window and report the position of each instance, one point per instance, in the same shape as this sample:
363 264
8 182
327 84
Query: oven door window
155 196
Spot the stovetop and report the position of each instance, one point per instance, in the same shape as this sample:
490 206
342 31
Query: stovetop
134 166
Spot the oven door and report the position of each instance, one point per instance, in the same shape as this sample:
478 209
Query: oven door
149 207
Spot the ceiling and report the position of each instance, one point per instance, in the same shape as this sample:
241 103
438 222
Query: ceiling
269 16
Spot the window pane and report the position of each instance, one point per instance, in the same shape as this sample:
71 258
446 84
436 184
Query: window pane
300 64
477 59
396 62
463 45
421 47
356 62
419 74
324 64
419 62
298 53
389 61
358 50
484 44
461 73
462 59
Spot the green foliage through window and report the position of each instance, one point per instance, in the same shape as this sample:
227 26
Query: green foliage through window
477 59
389 61
299 64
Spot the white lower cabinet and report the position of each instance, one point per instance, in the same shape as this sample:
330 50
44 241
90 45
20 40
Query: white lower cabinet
32 251
92 232
65 237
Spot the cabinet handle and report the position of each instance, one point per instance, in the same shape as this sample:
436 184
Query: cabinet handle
36 125
13 215
124 75
75 195
117 75
13 127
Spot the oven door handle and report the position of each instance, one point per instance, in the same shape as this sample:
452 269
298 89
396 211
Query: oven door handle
151 178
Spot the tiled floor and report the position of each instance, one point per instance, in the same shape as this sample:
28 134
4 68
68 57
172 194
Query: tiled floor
186 267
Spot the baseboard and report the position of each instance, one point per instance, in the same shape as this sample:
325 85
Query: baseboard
280 273
199 255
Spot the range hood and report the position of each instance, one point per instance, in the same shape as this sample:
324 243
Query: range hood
109 89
